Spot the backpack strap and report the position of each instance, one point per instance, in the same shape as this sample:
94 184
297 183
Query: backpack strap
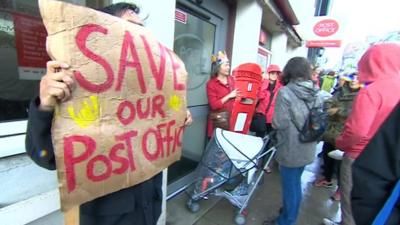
298 127
386 210
308 107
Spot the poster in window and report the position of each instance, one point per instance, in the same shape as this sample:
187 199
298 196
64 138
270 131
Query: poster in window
30 38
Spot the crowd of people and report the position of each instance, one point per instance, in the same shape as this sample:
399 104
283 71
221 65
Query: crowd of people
361 102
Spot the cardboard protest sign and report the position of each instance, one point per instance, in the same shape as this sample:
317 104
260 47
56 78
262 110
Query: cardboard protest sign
124 123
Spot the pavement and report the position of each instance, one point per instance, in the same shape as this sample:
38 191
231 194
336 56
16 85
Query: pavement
264 203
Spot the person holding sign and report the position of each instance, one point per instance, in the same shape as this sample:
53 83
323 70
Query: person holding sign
139 204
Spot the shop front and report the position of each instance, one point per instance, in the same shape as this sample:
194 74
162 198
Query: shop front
194 29
199 29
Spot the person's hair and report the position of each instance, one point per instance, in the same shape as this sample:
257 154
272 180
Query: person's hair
119 9
296 69
346 84
331 73
215 69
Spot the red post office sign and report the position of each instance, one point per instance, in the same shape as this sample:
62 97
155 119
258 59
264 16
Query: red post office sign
325 28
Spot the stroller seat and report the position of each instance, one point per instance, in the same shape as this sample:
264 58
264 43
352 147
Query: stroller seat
241 149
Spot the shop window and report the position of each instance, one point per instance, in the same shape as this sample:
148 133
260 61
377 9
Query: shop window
22 54
263 58
22 64
265 39
15 90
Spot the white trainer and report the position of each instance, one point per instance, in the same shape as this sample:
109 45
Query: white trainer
336 154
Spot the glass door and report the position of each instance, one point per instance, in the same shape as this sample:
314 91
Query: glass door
194 44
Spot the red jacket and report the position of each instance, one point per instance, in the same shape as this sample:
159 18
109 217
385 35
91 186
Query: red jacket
379 68
215 92
265 99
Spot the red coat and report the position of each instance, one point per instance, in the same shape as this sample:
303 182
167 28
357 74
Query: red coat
265 99
379 68
215 92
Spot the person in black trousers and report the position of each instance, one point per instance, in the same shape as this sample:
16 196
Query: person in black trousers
338 108
136 205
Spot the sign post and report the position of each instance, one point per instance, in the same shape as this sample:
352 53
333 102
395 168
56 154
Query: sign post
323 32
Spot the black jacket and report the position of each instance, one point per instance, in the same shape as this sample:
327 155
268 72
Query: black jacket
376 171
142 200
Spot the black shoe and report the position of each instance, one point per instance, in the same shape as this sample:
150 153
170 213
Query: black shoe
269 222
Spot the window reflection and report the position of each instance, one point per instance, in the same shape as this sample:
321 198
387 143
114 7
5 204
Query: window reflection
194 44
22 54
15 92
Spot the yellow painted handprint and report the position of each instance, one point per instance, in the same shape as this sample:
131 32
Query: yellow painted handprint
87 114
175 102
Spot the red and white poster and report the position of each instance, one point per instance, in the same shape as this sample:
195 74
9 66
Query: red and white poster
323 32
30 39
181 16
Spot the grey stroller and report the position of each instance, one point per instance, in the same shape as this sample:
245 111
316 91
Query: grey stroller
231 167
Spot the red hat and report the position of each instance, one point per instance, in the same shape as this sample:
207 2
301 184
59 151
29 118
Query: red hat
273 68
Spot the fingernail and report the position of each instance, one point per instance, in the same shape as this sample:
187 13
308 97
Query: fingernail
64 65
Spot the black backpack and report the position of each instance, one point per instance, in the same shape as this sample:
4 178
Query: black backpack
315 125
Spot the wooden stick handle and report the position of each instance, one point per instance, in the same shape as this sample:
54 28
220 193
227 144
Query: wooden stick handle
71 217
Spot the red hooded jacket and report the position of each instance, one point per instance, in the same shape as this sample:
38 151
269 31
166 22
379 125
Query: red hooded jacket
267 99
379 69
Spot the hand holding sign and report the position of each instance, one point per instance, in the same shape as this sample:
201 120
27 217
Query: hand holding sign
55 85
123 123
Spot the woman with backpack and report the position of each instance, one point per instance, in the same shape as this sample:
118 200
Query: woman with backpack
292 109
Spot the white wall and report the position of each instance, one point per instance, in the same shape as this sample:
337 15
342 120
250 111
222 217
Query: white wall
278 49
247 31
300 51
281 53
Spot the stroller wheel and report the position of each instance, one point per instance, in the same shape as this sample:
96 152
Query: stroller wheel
240 219
193 206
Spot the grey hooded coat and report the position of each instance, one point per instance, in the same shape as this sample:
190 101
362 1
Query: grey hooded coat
290 108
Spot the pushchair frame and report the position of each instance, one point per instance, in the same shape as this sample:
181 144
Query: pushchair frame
241 202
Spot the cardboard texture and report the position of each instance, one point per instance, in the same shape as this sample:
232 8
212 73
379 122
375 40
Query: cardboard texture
124 123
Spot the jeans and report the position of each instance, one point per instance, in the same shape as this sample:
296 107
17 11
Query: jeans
292 194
